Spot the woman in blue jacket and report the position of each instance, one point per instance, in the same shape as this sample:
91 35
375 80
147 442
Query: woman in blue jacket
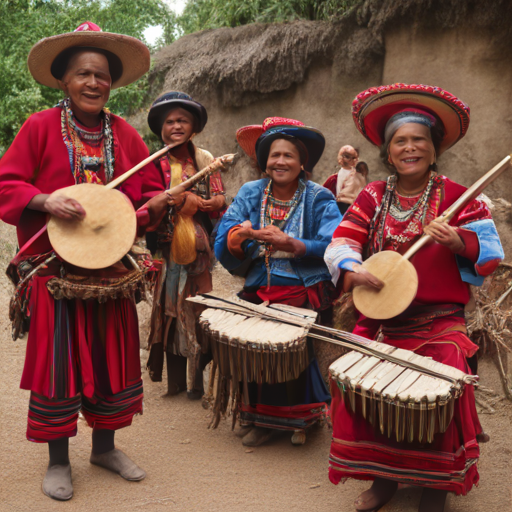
275 233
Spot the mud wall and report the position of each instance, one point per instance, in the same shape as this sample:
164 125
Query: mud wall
246 74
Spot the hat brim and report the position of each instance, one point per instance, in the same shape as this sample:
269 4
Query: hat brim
159 112
247 137
134 55
373 108
257 148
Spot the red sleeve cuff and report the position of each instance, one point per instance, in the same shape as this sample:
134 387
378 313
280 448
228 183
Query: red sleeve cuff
143 220
471 246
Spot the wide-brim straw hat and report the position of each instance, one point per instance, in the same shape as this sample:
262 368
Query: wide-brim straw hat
133 54
371 110
174 99
256 140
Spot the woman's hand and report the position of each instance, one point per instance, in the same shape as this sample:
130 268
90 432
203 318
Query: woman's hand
158 205
213 204
360 277
175 196
63 207
446 235
280 241
245 231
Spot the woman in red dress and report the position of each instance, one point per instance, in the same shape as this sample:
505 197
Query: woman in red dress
82 355
413 124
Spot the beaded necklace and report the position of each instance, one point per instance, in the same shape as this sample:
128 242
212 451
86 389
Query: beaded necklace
83 165
270 206
415 215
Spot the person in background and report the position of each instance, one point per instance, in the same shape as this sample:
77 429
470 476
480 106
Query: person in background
347 159
354 183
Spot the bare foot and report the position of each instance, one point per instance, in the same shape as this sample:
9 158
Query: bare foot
257 436
243 431
376 496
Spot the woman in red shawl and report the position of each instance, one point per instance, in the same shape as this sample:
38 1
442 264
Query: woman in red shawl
175 118
413 124
82 355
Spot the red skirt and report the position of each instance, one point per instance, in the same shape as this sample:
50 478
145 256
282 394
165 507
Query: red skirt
449 463
80 347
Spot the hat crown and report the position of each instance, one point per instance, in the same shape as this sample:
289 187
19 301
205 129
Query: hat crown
372 108
271 122
173 95
88 26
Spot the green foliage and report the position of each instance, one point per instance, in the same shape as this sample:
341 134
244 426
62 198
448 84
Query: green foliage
24 22
204 14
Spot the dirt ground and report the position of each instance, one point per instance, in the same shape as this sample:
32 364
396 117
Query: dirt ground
191 468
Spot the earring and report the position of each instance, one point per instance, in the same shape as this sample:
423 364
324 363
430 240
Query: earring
434 158
301 167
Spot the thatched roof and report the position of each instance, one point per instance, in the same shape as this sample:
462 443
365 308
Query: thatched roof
200 64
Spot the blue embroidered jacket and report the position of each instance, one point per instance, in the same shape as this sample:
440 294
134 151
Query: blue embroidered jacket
313 222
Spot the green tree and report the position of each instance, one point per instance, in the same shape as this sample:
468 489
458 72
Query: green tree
204 14
24 22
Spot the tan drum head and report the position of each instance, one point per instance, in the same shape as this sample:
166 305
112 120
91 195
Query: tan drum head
104 236
400 286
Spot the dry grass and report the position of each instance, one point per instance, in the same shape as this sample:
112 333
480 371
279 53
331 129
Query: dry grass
8 245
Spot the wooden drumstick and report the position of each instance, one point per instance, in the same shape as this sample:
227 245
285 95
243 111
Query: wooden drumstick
140 165
196 178
463 200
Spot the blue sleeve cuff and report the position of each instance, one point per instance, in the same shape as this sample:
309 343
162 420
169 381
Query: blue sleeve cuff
314 248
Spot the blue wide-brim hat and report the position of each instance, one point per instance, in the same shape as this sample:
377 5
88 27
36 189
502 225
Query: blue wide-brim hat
170 100
256 140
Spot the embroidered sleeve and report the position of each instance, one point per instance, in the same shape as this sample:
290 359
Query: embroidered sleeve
351 235
476 218
216 185
238 212
341 254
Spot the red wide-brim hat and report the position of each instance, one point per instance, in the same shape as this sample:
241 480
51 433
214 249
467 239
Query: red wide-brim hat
372 109
255 140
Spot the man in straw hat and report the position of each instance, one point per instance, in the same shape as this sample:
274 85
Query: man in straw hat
82 355
413 125
187 263
278 229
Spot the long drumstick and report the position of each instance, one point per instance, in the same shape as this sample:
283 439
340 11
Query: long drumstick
140 165
216 164
463 200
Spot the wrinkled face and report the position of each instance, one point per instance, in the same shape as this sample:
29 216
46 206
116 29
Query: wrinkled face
411 150
347 157
178 126
283 164
87 82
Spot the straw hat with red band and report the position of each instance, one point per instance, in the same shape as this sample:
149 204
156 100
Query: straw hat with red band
132 54
256 140
373 108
